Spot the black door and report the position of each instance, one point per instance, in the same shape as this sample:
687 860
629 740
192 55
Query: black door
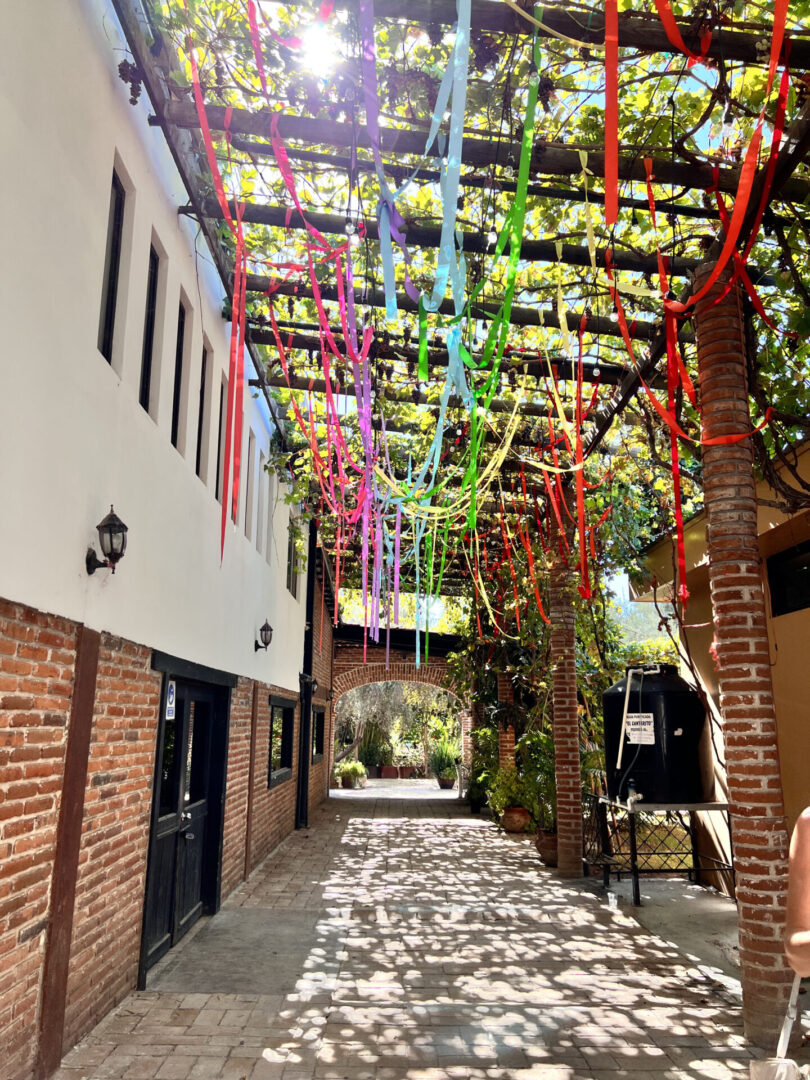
185 839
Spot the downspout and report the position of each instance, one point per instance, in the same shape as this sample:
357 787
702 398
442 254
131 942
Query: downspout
305 727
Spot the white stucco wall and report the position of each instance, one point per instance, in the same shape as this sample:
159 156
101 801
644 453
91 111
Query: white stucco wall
73 437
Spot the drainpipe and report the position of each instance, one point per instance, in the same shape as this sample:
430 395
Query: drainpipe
305 704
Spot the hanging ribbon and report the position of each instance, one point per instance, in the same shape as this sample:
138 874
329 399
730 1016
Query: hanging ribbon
611 112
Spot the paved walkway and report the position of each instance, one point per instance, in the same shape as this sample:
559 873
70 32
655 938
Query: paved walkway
405 940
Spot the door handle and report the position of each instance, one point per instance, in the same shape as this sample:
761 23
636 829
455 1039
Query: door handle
189 835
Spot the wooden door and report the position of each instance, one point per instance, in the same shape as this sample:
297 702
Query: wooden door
174 892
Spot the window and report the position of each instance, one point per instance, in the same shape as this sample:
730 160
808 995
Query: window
282 719
271 547
292 561
178 371
112 266
201 414
251 454
223 399
261 512
789 579
318 723
149 327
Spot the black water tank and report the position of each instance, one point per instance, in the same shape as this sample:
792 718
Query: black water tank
665 721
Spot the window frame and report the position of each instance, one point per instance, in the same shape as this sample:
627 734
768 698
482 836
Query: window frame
292 561
201 412
113 251
223 406
286 708
150 328
179 359
318 733
786 596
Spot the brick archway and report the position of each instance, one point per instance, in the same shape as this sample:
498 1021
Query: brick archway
357 665
433 673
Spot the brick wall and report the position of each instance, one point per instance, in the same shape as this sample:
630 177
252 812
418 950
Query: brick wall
236 784
37 660
744 675
37 655
115 834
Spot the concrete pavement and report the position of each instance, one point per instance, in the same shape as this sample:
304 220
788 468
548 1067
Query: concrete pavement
402 939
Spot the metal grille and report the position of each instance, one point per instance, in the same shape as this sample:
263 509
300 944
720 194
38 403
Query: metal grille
663 840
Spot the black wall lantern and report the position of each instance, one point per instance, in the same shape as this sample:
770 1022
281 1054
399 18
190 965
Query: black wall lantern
303 679
112 537
266 635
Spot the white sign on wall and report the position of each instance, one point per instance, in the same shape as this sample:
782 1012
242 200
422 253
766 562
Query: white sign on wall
640 728
170 700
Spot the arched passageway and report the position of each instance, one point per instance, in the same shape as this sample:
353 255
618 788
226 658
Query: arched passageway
358 663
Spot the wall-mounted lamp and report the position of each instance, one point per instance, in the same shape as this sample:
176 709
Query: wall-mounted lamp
266 635
304 679
112 536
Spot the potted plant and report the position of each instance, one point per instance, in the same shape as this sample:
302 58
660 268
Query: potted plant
352 773
407 758
371 751
388 770
537 752
513 799
442 756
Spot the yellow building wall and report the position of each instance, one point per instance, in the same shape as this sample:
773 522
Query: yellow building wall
790 656
789 635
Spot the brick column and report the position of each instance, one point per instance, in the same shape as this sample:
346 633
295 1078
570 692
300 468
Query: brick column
506 746
744 677
566 721
506 689
506 737
465 718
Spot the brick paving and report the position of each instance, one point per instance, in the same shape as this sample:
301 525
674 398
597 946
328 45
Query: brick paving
407 939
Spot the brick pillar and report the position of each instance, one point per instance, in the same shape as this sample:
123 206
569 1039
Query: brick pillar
744 677
465 718
566 721
506 738
506 746
506 689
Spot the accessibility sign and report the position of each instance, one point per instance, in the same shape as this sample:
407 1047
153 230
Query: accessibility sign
171 692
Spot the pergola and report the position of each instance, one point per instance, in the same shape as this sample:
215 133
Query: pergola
542 268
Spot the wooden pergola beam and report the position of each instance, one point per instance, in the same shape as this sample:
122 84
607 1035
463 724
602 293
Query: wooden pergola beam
521 314
609 374
635 30
421 236
416 397
547 159
467 180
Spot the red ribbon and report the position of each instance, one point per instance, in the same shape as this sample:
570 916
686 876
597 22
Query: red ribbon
611 112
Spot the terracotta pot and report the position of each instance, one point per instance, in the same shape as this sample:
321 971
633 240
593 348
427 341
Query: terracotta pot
373 772
405 772
446 783
545 841
389 772
516 819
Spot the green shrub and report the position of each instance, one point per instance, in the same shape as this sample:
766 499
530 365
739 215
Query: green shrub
511 788
355 770
442 756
